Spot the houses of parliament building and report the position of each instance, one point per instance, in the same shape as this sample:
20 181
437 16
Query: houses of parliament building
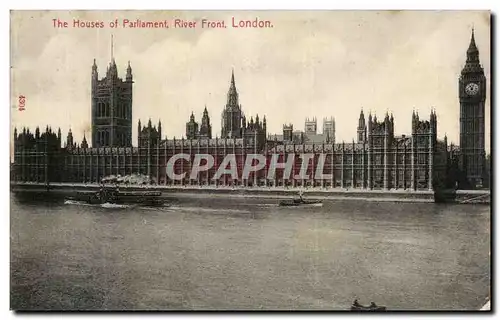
376 159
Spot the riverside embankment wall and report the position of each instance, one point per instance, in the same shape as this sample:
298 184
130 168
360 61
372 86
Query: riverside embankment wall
62 189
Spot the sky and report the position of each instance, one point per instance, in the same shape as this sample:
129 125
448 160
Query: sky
309 64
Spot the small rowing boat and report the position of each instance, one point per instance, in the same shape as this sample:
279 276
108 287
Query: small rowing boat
372 307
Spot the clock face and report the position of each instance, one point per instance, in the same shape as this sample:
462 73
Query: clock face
472 89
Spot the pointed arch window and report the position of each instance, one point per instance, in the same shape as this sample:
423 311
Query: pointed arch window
100 107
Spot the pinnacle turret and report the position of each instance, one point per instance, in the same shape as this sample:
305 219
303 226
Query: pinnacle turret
84 144
128 77
94 68
361 121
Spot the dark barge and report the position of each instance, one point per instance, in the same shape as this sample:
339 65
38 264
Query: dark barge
113 195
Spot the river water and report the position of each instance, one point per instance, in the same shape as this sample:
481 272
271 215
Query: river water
249 254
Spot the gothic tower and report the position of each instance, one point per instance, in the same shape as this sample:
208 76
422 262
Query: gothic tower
361 128
69 140
472 94
311 126
232 115
192 128
288 132
205 127
329 130
111 107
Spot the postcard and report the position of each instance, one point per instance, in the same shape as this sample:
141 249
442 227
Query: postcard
250 160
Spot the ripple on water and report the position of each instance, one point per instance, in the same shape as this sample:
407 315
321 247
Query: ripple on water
248 254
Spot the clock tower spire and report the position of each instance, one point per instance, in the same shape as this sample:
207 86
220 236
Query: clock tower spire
472 95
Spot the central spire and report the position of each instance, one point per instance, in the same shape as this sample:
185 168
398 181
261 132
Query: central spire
232 95
232 88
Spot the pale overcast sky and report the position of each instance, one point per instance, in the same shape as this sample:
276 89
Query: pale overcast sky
317 63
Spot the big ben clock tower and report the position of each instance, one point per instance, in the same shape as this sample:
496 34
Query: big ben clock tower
472 93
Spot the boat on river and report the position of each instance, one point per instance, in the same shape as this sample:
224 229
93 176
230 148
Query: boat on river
114 197
372 307
300 201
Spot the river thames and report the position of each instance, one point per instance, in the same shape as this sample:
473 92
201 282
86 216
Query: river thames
249 254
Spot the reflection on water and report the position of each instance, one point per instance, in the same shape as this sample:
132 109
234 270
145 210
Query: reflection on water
249 255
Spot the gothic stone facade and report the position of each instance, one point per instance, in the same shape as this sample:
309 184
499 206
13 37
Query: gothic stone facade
377 160
382 161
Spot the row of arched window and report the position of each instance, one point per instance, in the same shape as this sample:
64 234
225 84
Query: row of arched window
104 139
104 110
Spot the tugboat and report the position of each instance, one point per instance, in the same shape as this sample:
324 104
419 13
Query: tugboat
299 202
372 307
113 197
